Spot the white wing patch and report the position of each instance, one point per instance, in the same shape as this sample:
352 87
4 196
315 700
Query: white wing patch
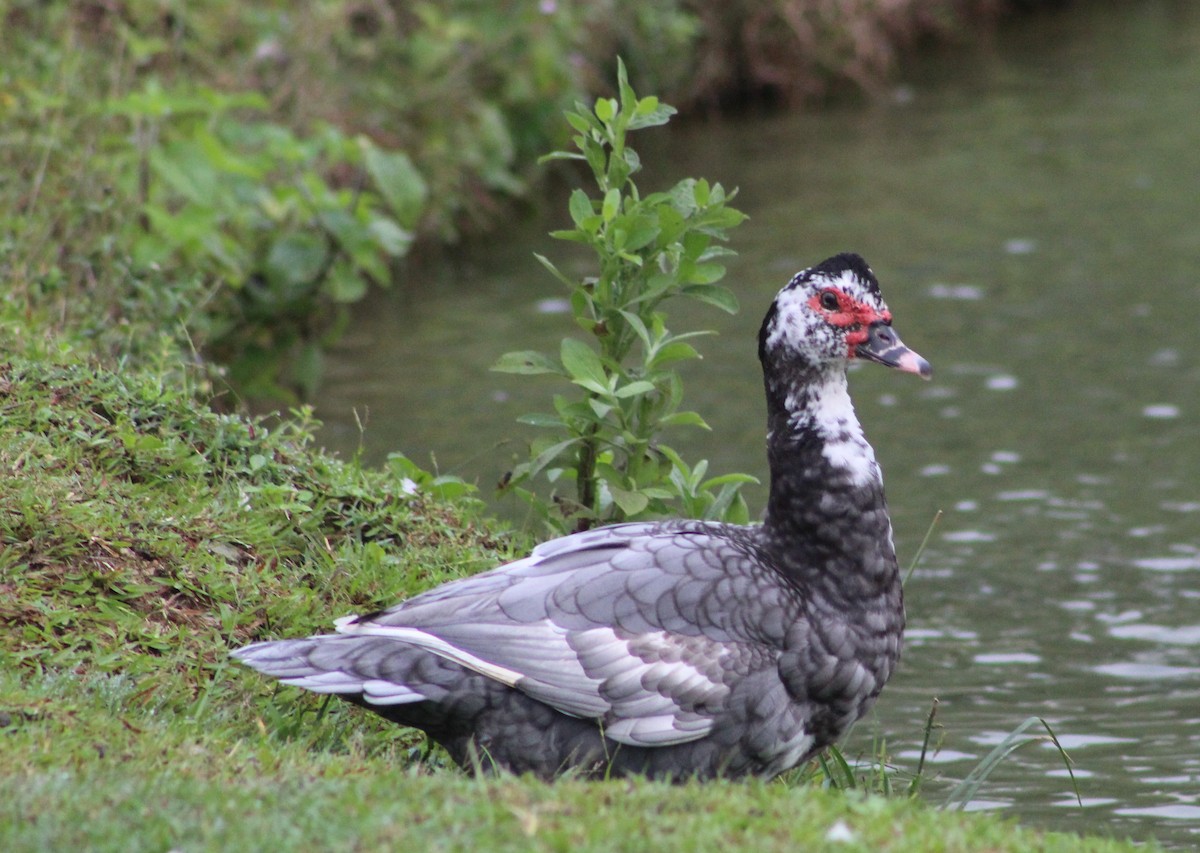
421 639
374 691
335 681
662 690
646 690
379 692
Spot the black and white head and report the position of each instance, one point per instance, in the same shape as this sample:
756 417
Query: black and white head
828 315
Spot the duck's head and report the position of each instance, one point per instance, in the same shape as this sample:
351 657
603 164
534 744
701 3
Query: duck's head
828 315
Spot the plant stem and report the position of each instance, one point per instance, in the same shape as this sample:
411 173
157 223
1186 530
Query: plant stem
586 478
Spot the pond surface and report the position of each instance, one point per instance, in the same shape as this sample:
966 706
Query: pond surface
1031 204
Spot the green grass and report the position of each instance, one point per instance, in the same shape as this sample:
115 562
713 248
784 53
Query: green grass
142 536
95 764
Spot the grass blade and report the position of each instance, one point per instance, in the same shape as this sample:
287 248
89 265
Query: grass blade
965 790
914 787
921 550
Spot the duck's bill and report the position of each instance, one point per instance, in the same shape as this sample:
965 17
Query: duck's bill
883 346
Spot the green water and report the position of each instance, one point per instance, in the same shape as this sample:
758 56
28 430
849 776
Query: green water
1031 204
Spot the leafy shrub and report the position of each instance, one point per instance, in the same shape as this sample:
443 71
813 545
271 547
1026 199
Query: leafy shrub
286 229
606 444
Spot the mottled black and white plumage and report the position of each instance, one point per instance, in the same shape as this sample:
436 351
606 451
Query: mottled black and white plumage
674 649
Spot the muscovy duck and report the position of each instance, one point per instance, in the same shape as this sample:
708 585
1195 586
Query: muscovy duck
673 649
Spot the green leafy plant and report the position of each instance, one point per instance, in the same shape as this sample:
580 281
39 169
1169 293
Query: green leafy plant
286 229
605 443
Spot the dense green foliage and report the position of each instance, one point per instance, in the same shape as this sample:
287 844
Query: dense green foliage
608 445
278 158
256 211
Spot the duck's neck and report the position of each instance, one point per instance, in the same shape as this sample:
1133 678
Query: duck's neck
826 514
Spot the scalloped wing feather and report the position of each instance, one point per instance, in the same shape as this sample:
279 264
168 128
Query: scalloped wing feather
598 625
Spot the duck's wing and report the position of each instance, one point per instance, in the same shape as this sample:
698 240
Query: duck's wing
643 627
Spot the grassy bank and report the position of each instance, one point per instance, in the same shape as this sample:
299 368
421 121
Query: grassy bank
142 536
241 798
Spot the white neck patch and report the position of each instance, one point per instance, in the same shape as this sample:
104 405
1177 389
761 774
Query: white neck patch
828 410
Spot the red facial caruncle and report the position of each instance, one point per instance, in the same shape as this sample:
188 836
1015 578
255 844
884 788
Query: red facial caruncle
848 313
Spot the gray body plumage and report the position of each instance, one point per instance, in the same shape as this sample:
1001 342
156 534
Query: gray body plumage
673 649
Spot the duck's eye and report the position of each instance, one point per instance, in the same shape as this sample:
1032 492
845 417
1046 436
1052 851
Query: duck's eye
829 301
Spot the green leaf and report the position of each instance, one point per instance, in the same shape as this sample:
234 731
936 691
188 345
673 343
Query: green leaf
390 237
718 220
671 224
344 284
605 108
714 252
612 204
186 169
580 207
673 351
527 362
628 99
450 488
583 365
660 115
296 259
548 264
560 155
404 468
639 328
549 455
641 232
684 419
738 479
397 180
705 274
631 503
633 162
657 493
574 235
580 121
349 233
592 385
641 386
721 297
595 157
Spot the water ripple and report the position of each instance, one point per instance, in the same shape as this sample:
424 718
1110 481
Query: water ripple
1169 564
969 536
1009 657
1187 635
1146 671
1176 811
1161 411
